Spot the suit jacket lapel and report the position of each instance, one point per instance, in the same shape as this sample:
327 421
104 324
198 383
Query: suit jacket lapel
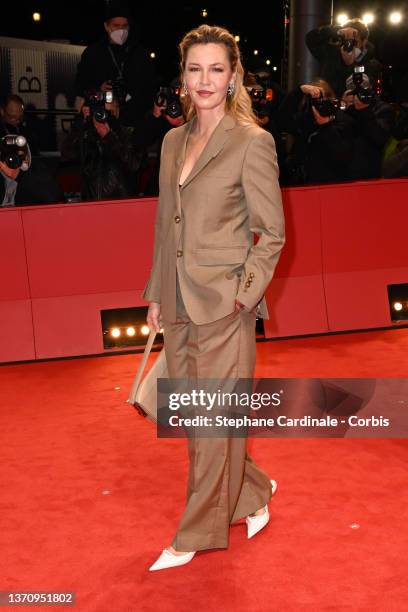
211 149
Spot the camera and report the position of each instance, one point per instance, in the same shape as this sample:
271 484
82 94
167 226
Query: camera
365 93
119 89
169 99
96 101
261 100
14 151
327 106
348 44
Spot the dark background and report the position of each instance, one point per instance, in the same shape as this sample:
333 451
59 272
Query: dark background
160 27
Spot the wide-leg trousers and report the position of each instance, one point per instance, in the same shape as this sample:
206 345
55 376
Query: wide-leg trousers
224 483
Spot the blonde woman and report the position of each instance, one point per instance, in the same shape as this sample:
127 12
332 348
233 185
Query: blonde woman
218 186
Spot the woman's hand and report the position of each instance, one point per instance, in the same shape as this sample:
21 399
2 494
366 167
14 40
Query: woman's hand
154 316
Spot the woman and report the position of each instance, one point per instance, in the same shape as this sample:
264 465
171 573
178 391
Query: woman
218 186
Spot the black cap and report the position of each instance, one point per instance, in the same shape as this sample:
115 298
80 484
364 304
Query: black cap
117 8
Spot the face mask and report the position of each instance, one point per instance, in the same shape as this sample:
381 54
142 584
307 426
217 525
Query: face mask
119 37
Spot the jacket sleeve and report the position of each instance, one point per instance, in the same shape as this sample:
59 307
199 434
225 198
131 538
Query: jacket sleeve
260 175
151 291
318 41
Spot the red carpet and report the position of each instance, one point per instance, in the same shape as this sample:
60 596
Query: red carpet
89 496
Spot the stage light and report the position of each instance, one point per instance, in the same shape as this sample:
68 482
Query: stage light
36 16
125 328
398 301
237 38
153 55
368 18
395 17
268 62
275 68
204 13
256 51
342 18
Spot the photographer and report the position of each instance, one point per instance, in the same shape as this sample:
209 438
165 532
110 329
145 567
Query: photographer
166 113
266 96
13 121
322 135
373 121
339 50
104 148
396 165
117 63
23 183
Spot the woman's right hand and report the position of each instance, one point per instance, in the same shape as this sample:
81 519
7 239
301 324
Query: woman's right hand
154 316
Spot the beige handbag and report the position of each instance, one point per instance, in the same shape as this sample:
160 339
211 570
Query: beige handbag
143 394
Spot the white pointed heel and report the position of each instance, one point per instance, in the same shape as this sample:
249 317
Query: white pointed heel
258 522
168 559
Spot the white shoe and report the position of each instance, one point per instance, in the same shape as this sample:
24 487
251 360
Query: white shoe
274 486
168 559
256 523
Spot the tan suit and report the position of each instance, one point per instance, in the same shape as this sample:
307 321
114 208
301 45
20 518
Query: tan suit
205 228
204 258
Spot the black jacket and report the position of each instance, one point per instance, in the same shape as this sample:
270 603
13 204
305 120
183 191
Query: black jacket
35 186
108 165
332 68
372 128
97 66
320 153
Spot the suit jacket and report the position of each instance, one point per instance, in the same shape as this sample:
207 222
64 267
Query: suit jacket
205 228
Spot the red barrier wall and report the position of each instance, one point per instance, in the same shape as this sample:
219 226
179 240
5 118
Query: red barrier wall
61 264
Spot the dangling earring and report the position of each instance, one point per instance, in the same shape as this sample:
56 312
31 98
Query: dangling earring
185 90
231 88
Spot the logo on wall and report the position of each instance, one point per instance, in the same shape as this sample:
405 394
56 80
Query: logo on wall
28 84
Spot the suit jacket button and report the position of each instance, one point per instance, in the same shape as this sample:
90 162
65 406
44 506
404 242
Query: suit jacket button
247 284
177 219
251 275
179 253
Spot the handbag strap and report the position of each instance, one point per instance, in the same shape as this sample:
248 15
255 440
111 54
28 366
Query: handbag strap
142 365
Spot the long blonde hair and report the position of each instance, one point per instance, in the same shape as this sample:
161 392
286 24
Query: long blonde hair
239 104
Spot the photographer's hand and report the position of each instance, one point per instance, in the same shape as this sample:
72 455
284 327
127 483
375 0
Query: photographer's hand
348 98
320 120
359 105
176 121
157 110
106 86
311 90
11 173
102 128
348 33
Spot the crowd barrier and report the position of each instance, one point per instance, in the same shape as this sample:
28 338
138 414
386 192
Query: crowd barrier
62 264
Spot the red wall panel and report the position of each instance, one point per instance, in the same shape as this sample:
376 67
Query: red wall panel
60 265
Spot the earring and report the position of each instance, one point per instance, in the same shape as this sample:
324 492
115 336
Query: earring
185 90
231 88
